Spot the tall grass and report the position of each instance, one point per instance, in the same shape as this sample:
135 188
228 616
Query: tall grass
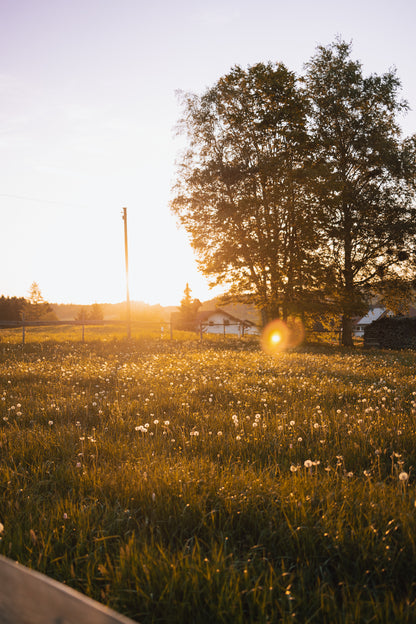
185 482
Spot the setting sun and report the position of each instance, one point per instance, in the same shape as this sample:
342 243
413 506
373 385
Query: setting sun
276 337
279 335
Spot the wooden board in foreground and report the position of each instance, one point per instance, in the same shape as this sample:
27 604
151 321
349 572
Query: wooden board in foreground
28 597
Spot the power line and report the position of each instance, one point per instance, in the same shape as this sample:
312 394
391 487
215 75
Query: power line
42 201
126 253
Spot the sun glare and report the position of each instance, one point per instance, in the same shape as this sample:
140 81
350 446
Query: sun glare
278 335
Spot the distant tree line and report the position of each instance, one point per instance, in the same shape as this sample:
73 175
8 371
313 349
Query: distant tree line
298 193
11 308
90 313
34 308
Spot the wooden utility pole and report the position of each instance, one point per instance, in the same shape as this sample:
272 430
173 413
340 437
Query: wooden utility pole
126 253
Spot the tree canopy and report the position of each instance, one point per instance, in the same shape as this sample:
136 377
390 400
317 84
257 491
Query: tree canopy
298 191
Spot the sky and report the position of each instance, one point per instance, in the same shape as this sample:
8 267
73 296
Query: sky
88 109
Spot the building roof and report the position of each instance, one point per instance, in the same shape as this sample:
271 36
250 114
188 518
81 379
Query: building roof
206 314
372 315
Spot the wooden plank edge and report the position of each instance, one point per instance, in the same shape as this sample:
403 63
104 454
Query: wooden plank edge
29 597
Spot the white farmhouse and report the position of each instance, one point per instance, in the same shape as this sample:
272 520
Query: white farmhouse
372 315
221 322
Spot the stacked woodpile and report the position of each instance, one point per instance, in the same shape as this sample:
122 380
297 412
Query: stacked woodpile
391 333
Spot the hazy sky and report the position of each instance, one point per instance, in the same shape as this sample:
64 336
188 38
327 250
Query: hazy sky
87 116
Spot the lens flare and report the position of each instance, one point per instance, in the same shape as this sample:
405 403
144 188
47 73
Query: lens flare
278 336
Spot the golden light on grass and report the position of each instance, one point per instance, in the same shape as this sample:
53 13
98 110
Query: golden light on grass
278 335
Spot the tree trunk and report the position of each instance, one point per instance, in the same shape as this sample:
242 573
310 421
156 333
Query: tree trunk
347 340
264 317
348 275
269 313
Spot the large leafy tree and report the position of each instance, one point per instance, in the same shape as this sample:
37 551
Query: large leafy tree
241 191
365 175
293 196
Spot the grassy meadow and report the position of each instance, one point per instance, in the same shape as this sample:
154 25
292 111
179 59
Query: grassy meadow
187 482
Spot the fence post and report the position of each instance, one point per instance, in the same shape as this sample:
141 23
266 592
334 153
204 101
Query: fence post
224 327
170 330
82 319
200 332
23 329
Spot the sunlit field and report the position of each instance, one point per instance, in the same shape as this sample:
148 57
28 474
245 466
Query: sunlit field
187 482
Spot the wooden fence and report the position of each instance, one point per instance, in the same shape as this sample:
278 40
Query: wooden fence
166 329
